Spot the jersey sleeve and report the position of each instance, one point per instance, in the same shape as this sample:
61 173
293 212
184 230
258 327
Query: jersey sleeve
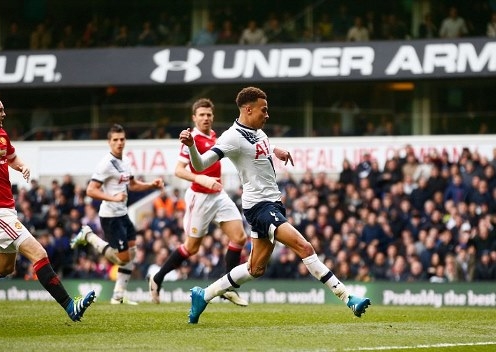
184 154
227 144
101 172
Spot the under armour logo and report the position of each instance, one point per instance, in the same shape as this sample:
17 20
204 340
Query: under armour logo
190 66
274 215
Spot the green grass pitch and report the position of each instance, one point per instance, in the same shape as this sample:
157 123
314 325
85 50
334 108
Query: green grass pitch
44 326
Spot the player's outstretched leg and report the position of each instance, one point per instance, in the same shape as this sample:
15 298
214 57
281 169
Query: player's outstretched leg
154 290
358 305
80 239
198 304
78 306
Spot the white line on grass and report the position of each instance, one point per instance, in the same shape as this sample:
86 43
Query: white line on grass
437 345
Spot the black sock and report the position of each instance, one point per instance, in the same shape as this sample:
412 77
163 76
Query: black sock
233 257
173 262
51 282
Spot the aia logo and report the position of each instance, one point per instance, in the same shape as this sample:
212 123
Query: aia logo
124 178
190 66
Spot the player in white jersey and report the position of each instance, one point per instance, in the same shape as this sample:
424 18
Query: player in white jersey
110 183
206 201
248 147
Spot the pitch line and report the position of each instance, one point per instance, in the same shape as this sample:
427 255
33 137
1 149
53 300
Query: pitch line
436 345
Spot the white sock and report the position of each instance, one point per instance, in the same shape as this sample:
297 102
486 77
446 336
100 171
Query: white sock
96 242
123 276
239 275
104 248
326 276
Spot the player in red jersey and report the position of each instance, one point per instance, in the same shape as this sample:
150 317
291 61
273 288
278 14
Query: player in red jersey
15 237
206 201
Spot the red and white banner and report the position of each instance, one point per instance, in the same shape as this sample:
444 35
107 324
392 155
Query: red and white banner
152 158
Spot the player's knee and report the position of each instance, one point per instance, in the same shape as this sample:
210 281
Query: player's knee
305 249
257 271
7 270
238 237
120 262
118 258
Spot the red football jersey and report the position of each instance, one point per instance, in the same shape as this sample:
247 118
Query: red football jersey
7 151
203 143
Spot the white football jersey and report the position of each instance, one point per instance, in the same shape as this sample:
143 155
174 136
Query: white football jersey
249 151
114 174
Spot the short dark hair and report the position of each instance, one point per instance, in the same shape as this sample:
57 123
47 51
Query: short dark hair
202 103
115 128
249 95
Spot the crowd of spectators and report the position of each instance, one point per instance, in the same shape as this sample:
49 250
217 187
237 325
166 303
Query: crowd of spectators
331 21
419 218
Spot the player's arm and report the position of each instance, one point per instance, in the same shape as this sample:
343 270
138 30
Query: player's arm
199 161
138 186
183 172
95 191
18 164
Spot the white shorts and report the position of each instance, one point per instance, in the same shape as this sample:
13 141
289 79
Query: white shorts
12 231
204 208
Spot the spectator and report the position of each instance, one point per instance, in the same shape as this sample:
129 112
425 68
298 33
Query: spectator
341 22
347 111
161 221
452 269
274 32
394 28
91 219
90 34
379 268
456 190
324 27
416 272
427 29
491 26
15 39
228 34
290 27
484 236
252 34
465 258
485 268
122 38
68 40
439 276
206 36
160 259
178 36
453 26
165 201
147 37
420 194
358 33
372 233
40 38
164 28
390 175
435 182
399 270
346 175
